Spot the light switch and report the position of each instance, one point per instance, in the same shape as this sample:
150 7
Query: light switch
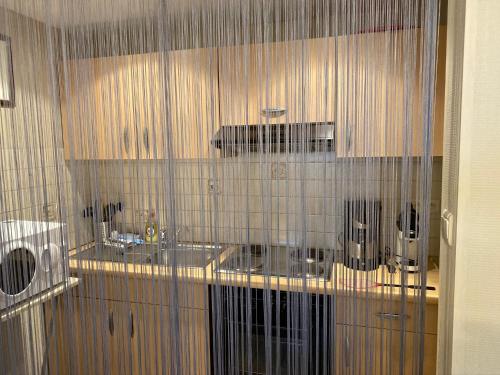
447 226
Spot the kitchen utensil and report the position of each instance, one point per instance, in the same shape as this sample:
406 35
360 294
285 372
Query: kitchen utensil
408 239
362 234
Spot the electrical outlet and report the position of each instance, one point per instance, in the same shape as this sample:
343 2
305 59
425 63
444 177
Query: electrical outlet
141 214
213 186
49 211
279 170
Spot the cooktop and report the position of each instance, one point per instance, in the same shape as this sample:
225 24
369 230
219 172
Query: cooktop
294 262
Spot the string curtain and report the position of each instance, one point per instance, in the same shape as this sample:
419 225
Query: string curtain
263 142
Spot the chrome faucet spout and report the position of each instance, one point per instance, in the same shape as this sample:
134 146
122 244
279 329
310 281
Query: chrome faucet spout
170 237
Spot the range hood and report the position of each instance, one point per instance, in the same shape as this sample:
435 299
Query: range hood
299 137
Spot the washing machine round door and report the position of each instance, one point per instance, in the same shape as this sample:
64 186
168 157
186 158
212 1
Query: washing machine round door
17 268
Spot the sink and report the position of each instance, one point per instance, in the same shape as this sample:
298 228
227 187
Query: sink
105 253
187 255
183 255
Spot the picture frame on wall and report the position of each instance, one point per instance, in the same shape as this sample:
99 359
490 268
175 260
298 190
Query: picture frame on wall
7 94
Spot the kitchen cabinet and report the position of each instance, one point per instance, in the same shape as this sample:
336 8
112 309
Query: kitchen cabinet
153 337
115 107
130 106
282 82
79 119
386 313
193 102
109 337
368 336
357 81
365 350
195 352
143 291
78 335
161 105
250 78
380 95
108 330
371 108
111 107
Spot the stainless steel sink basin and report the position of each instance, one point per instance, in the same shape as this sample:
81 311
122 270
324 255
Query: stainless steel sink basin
187 255
136 254
183 255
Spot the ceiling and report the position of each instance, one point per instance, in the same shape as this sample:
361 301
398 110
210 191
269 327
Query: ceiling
81 12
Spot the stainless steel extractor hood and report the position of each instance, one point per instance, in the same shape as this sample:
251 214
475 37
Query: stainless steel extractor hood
299 137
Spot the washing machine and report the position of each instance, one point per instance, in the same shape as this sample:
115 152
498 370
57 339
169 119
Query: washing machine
33 258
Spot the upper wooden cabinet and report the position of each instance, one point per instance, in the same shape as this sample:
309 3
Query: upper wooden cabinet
161 105
140 106
114 109
291 79
365 83
129 106
193 102
78 115
380 85
370 118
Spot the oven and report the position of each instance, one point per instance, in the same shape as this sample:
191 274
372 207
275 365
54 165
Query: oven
257 331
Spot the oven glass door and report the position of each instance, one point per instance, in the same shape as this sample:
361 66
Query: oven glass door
252 344
284 355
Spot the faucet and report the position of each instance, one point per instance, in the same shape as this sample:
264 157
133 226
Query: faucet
171 239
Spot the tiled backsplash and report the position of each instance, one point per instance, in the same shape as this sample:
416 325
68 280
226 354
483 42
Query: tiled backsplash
258 200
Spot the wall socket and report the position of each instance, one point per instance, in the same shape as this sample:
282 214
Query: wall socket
279 170
50 211
141 214
213 186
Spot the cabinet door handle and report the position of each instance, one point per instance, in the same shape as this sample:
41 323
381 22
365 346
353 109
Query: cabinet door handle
390 316
273 112
126 140
131 324
145 137
111 323
349 138
347 351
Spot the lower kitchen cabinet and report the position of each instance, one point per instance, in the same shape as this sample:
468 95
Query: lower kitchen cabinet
104 336
157 347
89 335
78 339
195 347
365 350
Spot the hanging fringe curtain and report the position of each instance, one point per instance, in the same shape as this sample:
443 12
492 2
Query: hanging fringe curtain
240 187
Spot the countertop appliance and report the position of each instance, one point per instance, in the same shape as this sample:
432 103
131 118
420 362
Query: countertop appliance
32 259
362 234
283 261
408 240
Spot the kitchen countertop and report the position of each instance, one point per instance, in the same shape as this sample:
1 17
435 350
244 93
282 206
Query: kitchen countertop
339 283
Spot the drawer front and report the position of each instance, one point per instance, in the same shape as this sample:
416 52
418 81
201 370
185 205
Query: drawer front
378 351
153 291
384 313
